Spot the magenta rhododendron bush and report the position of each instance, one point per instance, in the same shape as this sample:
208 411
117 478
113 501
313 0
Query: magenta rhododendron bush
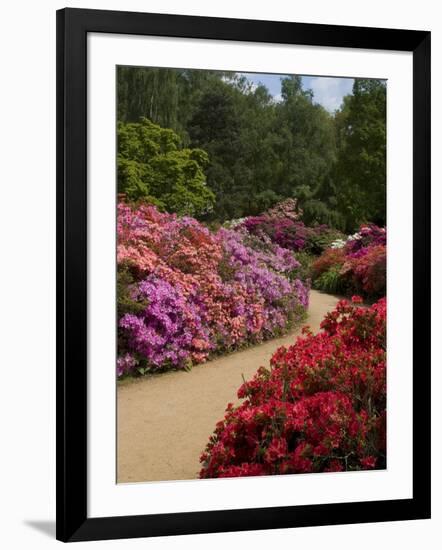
282 225
186 293
320 407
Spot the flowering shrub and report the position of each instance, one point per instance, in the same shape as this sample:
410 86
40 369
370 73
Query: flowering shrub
288 208
330 258
368 235
355 265
185 292
368 270
170 329
320 407
282 226
338 243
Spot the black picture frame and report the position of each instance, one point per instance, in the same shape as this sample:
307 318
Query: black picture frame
73 25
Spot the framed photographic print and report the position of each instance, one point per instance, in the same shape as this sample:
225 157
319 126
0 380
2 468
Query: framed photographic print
236 349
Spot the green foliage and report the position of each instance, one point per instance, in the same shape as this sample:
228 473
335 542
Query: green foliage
167 97
304 271
308 141
319 241
331 281
153 166
319 211
360 172
261 151
125 303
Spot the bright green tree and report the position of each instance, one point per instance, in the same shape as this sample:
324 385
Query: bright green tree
153 166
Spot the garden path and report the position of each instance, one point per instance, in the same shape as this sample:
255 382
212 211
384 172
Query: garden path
165 421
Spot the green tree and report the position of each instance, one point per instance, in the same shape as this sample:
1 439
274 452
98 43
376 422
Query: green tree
307 142
165 96
261 150
360 172
215 127
153 165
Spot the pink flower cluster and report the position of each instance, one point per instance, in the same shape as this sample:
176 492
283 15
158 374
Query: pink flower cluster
198 293
291 233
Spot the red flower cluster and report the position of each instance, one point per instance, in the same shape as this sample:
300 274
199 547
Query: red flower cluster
329 258
321 407
369 272
357 265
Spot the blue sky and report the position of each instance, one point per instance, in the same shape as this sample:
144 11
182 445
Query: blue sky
328 91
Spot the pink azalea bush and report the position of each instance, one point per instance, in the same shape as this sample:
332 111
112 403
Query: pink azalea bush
186 293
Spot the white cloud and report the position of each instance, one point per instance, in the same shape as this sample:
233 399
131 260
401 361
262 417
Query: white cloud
329 92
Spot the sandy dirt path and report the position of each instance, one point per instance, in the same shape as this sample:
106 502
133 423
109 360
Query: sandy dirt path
165 421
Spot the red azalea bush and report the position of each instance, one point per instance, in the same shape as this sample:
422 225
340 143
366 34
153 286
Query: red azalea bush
369 272
321 407
357 265
330 258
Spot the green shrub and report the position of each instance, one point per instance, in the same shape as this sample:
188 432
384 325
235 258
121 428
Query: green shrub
304 271
331 281
322 238
125 303
153 166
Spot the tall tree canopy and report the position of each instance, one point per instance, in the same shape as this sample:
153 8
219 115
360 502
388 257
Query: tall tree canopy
259 149
360 172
